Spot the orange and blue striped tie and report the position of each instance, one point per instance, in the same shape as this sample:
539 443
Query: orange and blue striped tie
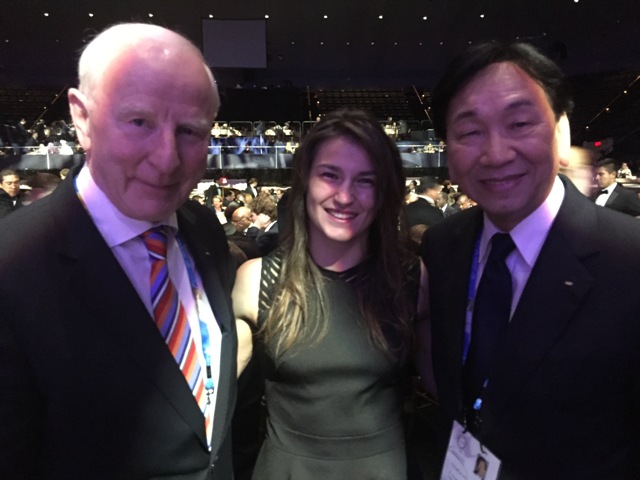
171 320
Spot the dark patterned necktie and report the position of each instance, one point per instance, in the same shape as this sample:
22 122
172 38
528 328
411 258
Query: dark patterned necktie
492 307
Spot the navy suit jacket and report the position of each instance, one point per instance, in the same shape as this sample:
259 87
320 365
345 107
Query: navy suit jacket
562 401
88 387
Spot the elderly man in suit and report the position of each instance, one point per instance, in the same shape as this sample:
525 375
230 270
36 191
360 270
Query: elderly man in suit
117 339
534 329
610 193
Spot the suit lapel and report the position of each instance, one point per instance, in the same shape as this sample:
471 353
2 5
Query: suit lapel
555 289
99 283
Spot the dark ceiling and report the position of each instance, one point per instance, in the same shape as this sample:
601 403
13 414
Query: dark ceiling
351 47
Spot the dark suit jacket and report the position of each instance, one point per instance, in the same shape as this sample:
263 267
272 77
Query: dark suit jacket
623 200
422 212
562 403
88 387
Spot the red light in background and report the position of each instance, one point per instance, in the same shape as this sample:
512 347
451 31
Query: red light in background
597 144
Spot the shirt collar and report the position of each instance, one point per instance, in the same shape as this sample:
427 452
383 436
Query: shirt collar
529 235
115 227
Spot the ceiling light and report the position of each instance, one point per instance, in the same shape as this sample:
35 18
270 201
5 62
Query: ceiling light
266 16
151 15
482 15
424 18
326 16
380 17
91 14
211 15
46 14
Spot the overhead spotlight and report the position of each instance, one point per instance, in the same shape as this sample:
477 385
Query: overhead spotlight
482 15
46 14
266 16
424 18
151 15
211 15
326 16
380 17
91 14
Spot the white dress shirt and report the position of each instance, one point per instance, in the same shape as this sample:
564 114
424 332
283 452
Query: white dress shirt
602 198
529 236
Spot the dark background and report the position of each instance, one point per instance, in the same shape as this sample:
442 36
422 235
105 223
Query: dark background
596 42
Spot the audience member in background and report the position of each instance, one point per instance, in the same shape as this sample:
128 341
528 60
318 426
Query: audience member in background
610 193
89 386
534 338
624 171
11 197
447 187
335 306
241 221
228 198
424 209
264 216
445 204
218 209
252 188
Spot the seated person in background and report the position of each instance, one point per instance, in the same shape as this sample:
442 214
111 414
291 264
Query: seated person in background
624 171
611 194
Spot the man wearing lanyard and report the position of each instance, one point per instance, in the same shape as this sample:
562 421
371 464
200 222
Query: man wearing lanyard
117 341
534 334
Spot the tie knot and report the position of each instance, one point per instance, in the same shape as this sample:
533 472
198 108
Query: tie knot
155 239
501 246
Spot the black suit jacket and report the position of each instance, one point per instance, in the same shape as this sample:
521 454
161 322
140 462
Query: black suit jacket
623 200
422 212
562 402
88 387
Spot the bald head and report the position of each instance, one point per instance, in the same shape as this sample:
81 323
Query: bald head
146 40
241 218
143 112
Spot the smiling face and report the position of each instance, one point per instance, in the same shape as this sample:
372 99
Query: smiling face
504 143
341 197
145 127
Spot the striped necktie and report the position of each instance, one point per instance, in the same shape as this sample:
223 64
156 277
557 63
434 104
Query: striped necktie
171 320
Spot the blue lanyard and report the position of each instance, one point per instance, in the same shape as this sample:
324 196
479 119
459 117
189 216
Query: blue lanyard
204 329
471 294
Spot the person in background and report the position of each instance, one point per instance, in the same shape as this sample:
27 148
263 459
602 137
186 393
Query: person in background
533 332
334 307
624 171
11 198
610 193
424 209
117 336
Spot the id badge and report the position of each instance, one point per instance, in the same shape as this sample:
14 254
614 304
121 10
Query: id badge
467 459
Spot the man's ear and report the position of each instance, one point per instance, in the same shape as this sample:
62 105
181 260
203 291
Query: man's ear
563 139
80 115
